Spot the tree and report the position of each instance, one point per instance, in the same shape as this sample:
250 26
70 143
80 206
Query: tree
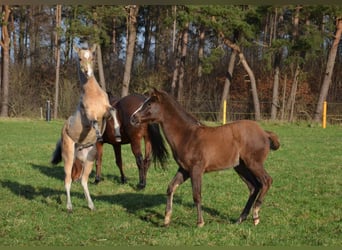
132 35
329 70
57 57
5 44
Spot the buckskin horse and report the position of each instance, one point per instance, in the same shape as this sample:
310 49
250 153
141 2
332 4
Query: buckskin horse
153 140
81 130
199 149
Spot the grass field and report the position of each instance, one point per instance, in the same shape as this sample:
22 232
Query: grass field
303 207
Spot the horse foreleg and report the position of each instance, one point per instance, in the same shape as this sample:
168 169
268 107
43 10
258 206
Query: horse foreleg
99 149
117 133
95 125
196 181
180 177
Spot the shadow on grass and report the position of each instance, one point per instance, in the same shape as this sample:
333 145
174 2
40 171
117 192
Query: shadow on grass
143 206
52 171
57 172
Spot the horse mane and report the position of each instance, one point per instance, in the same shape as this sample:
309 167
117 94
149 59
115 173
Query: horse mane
181 111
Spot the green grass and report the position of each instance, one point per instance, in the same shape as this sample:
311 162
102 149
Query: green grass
303 207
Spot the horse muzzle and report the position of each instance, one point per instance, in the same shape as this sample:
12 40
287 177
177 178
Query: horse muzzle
134 120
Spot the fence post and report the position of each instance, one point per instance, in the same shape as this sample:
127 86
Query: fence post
48 111
324 123
224 111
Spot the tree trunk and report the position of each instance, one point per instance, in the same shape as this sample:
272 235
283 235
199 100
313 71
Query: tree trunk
182 63
5 44
328 71
228 81
100 66
132 34
58 58
275 99
200 58
250 74
176 67
275 95
292 97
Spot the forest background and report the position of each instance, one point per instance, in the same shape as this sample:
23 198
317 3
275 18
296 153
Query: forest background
267 62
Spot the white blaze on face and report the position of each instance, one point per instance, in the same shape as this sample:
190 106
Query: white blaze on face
90 69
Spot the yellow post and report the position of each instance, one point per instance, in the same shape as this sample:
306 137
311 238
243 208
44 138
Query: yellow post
324 123
224 111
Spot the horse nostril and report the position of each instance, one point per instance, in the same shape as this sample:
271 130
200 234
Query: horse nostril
133 120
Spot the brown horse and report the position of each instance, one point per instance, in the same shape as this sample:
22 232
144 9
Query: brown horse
199 149
154 142
81 131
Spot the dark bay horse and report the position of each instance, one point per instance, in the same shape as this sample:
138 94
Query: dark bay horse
199 149
153 140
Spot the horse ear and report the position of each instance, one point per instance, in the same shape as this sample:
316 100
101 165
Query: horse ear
93 49
155 91
76 48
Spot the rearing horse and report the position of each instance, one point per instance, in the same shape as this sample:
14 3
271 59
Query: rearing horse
93 97
199 149
84 128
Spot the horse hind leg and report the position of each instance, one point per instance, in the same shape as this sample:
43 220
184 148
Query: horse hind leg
118 161
68 157
254 187
88 165
266 181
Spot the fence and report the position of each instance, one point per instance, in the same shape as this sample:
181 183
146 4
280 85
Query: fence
237 110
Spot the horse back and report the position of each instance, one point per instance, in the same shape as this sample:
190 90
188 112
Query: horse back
126 107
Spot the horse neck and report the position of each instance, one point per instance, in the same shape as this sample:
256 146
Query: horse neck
177 124
82 77
91 85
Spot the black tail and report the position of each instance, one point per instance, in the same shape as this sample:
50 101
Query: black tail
274 140
57 155
159 151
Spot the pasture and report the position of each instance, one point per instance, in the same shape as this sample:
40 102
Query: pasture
302 208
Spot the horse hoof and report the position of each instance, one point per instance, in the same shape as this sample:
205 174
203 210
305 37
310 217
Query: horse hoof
123 180
200 224
240 220
256 221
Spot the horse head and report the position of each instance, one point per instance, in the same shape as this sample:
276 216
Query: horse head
149 110
86 57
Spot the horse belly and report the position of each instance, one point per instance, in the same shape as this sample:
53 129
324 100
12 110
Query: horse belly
221 158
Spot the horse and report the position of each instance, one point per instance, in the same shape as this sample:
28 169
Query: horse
81 131
198 149
153 140
94 98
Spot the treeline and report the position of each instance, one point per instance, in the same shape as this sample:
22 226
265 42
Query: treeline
268 62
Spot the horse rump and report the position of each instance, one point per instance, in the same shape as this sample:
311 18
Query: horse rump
57 154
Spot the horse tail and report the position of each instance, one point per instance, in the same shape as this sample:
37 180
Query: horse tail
57 155
274 140
159 151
